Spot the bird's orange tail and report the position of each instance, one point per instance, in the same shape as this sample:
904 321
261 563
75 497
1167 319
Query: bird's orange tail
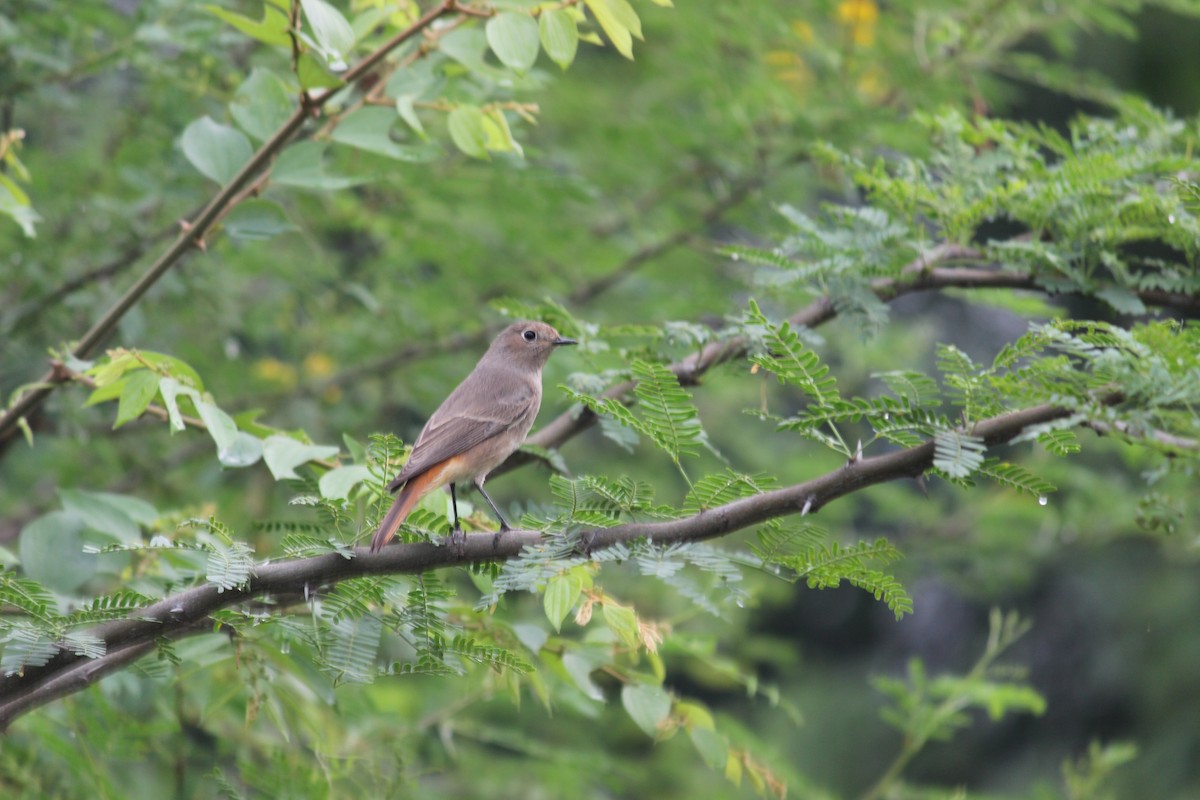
412 492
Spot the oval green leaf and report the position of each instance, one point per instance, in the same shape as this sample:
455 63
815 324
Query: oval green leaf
332 31
51 549
562 592
467 131
138 389
560 36
261 104
283 454
646 705
622 621
217 150
337 483
514 39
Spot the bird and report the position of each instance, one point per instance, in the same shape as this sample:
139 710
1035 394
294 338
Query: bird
479 425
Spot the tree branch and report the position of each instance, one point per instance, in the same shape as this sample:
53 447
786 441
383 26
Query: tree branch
922 274
187 612
193 232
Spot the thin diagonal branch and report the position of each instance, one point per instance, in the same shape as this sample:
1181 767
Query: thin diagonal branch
192 236
922 274
187 612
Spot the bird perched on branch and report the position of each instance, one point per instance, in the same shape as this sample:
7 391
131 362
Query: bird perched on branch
477 427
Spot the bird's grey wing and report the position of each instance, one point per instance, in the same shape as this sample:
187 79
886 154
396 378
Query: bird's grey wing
447 435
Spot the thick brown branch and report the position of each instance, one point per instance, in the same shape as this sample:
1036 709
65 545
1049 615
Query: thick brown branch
187 612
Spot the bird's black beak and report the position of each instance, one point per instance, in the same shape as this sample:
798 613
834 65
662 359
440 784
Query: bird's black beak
563 340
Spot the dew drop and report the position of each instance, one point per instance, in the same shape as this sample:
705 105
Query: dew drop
1043 500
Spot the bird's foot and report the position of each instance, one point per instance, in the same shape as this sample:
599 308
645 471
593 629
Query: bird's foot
587 541
457 540
496 536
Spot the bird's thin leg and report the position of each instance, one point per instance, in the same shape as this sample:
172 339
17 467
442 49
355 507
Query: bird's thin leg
504 526
458 539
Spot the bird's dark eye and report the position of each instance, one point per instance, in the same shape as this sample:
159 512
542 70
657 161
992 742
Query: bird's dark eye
529 336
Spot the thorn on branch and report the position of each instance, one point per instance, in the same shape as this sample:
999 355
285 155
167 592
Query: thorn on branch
59 373
198 241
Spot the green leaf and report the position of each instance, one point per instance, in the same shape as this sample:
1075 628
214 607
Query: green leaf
579 666
217 150
352 649
468 46
117 515
138 389
302 165
1060 442
257 219
220 425
624 14
337 483
666 409
957 454
261 104
229 564
283 454
15 204
711 747
609 14
791 361
513 37
1016 477
312 74
26 645
532 636
272 29
1122 300
408 113
499 135
622 621
467 131
560 36
562 592
334 35
647 705
27 596
370 129
51 550
171 389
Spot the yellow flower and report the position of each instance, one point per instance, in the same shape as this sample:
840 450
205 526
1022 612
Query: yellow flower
275 371
861 16
803 31
318 365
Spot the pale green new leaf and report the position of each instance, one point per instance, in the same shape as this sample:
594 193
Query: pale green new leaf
560 36
513 37
957 454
